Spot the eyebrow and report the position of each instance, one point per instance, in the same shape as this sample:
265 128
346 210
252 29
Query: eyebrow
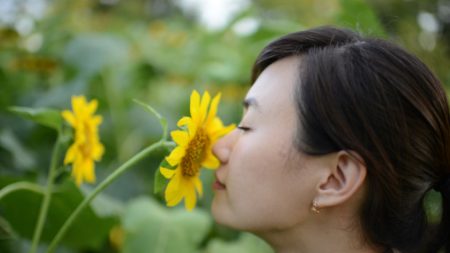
251 101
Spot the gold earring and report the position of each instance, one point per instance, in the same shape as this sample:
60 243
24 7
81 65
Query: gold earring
315 207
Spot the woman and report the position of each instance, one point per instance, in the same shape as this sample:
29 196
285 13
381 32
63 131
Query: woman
342 138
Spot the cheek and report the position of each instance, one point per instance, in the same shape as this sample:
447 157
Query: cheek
260 187
258 156
265 188
251 163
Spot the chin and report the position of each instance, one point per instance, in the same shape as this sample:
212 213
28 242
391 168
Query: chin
221 213
217 211
224 216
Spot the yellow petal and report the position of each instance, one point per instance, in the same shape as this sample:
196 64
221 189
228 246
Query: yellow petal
180 137
176 199
213 108
173 190
69 117
198 186
78 178
210 162
167 173
190 198
96 120
80 132
184 121
88 171
217 129
97 151
92 106
77 171
78 105
206 98
175 156
192 129
226 130
195 105
71 154
180 194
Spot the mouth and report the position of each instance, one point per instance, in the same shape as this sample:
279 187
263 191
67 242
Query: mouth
218 185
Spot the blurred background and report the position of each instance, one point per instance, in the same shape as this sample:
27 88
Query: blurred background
156 51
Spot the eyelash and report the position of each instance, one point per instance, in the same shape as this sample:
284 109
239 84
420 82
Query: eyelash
243 128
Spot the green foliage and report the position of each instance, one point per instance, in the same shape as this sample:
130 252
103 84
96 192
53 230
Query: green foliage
162 120
160 180
150 228
21 210
246 243
44 116
359 16
21 158
433 203
90 53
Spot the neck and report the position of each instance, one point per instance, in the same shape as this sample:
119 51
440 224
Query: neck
319 237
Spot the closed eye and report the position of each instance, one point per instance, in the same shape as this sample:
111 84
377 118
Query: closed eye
243 128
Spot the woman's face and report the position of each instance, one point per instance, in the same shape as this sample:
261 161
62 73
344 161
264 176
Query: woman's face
264 183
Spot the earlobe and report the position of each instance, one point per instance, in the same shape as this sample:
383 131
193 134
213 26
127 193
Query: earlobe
344 179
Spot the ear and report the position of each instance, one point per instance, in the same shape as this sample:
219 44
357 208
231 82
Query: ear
344 178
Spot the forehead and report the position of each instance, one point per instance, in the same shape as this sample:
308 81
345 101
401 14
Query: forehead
275 86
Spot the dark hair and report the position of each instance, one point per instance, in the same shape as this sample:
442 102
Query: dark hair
372 97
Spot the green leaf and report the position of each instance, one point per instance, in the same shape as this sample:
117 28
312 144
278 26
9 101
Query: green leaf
152 228
159 180
21 209
246 243
44 116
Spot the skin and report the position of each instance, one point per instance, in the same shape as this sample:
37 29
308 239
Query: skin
267 187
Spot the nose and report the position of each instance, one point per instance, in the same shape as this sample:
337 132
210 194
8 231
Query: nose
222 148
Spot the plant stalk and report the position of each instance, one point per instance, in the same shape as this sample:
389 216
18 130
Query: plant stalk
111 178
47 195
22 185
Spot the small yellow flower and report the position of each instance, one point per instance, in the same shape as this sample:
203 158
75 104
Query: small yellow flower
194 150
86 147
116 237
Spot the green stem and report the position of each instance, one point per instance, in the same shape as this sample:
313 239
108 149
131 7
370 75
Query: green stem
21 186
47 195
111 178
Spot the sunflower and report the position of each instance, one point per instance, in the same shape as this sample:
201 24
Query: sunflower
86 147
194 150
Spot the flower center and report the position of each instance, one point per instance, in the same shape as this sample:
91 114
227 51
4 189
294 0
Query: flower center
195 153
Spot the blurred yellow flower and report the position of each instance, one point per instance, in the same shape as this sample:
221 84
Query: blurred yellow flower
86 147
116 237
194 150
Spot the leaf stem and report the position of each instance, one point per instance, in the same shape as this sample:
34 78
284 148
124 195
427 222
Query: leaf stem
22 185
47 194
111 178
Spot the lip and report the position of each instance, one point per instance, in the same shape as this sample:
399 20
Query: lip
217 185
